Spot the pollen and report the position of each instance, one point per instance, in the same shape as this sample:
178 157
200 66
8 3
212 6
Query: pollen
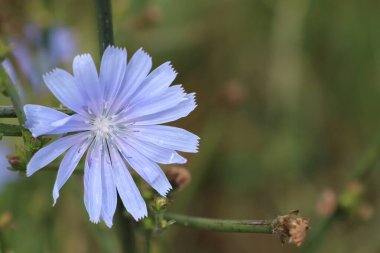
102 125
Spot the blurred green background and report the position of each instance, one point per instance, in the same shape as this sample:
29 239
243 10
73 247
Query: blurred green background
288 101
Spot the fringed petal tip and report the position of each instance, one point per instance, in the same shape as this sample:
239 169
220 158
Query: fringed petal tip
44 76
170 66
28 172
142 51
108 221
165 192
141 217
112 47
94 220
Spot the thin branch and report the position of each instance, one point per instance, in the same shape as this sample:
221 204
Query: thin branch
240 226
10 112
13 95
104 24
289 228
10 130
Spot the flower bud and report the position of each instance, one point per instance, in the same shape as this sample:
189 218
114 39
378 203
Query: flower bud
179 177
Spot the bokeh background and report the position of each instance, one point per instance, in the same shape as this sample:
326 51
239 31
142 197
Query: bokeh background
288 102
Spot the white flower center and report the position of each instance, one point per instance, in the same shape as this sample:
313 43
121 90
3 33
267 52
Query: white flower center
102 125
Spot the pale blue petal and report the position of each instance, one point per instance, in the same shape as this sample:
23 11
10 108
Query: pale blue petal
68 164
112 71
181 110
93 182
86 76
47 154
147 169
154 152
63 86
155 83
136 71
171 98
109 195
73 123
167 137
39 118
44 120
128 191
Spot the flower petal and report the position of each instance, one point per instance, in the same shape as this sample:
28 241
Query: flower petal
136 71
93 181
181 110
68 164
112 71
147 169
47 154
167 137
73 123
155 83
39 118
128 191
171 98
44 120
63 86
155 153
86 76
109 195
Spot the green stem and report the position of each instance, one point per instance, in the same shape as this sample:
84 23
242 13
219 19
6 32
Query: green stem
126 230
148 241
10 130
13 95
239 226
104 24
10 112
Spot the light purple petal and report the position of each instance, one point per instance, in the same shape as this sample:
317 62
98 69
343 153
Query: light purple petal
73 123
154 152
136 71
167 137
155 83
171 98
147 169
63 86
47 154
93 181
109 195
39 118
128 191
181 110
112 71
86 76
44 120
68 164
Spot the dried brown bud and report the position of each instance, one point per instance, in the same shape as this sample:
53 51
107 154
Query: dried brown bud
327 202
298 230
291 229
178 176
14 161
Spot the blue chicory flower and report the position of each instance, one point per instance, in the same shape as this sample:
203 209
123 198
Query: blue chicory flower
117 120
